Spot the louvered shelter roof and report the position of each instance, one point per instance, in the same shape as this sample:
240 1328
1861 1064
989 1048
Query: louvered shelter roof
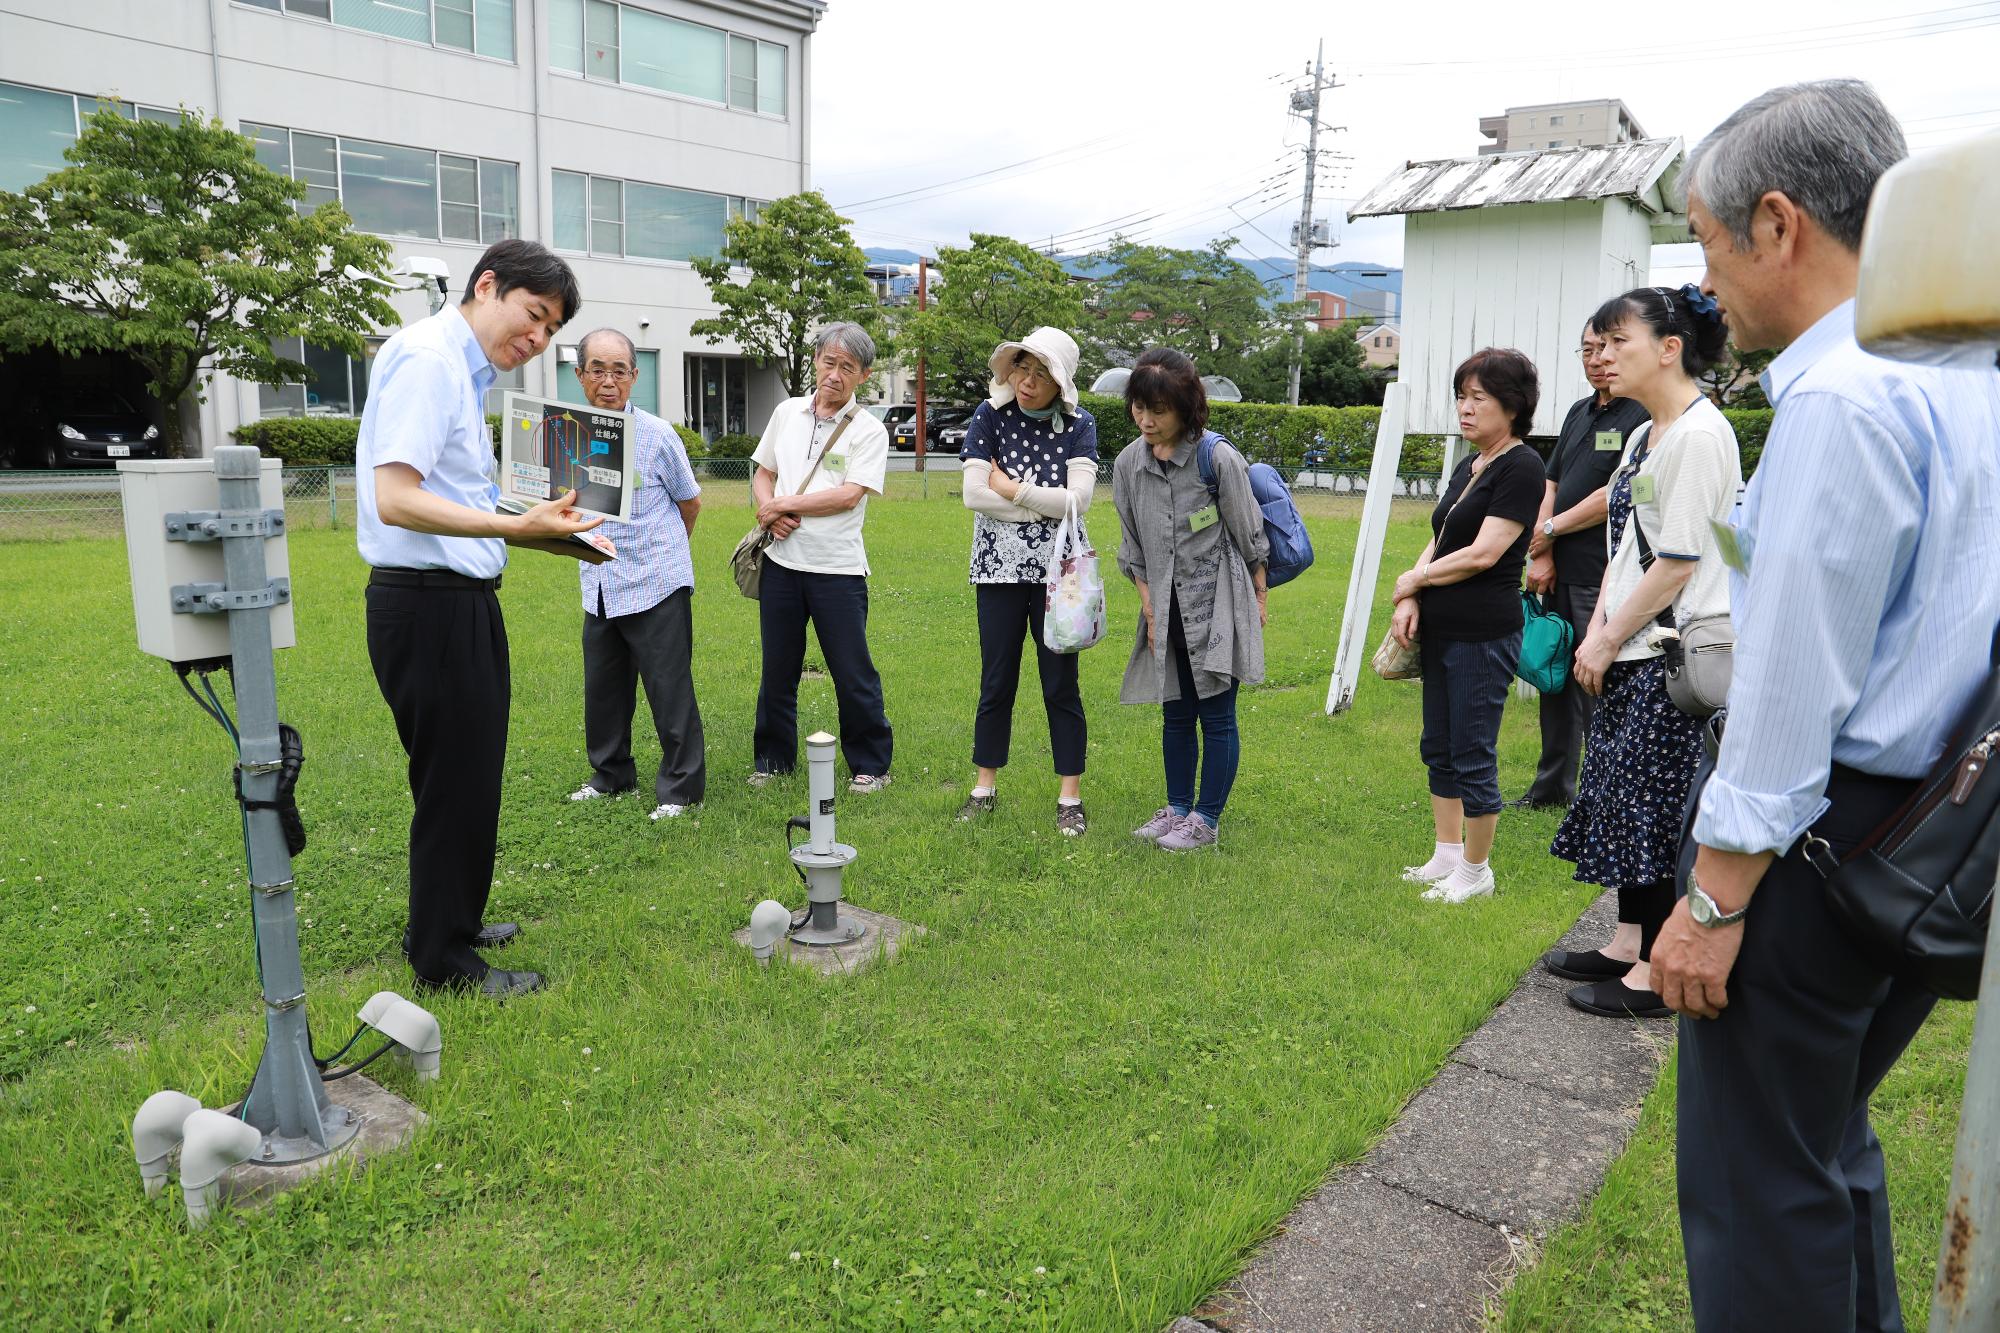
1647 171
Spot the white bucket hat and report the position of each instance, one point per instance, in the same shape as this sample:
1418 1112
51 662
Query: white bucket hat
1054 349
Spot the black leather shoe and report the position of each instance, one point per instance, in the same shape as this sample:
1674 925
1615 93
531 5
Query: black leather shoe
497 984
1536 803
1614 999
496 936
1591 966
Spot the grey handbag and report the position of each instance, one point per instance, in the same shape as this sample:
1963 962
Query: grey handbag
1700 655
746 562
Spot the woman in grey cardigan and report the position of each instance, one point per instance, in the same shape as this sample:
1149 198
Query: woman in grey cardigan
1197 557
1030 454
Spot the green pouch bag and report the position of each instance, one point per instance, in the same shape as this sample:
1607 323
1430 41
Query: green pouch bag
1547 646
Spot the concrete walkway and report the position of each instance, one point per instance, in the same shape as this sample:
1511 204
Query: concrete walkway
1510 1140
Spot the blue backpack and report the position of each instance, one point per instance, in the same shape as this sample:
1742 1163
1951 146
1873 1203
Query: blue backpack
1291 550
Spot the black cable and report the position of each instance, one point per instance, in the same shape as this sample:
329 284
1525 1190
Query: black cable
796 821
356 1068
328 1062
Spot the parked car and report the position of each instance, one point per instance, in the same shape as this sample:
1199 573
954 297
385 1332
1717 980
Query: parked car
1316 455
892 415
89 428
944 430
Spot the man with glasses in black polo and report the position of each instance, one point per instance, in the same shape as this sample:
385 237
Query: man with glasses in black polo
1566 556
638 614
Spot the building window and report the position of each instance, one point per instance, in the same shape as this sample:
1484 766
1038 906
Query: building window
717 395
645 389
484 27
336 385
601 215
1555 121
600 39
1555 143
396 191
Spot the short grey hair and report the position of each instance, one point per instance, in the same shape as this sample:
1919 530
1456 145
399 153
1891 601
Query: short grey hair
1822 145
849 338
583 346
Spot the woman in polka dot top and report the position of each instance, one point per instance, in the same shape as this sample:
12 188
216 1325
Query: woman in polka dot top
1029 451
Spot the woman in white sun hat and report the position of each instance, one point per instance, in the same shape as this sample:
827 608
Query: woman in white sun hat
1029 451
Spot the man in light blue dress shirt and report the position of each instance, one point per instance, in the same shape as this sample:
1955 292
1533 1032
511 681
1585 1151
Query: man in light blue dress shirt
423 473
1865 592
638 612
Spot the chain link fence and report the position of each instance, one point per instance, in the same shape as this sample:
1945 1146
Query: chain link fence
43 506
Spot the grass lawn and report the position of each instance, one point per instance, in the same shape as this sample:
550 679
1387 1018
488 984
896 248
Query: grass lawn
1075 1103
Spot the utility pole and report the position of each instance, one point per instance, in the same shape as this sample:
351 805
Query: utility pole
923 294
1305 101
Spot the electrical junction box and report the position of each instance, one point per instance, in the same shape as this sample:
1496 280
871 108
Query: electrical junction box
155 488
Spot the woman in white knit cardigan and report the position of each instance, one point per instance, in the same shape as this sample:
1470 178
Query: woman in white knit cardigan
1029 452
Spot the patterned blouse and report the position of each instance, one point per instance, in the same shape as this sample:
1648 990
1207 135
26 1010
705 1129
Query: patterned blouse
1030 451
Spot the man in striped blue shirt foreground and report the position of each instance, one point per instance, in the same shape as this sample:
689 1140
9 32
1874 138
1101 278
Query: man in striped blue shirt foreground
1866 589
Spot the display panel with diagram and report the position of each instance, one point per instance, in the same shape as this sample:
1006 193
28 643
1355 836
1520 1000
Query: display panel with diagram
549 447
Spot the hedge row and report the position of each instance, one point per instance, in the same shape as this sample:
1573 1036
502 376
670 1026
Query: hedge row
1280 435
329 441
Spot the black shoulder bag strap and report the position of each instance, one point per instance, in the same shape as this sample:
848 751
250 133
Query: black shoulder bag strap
1665 618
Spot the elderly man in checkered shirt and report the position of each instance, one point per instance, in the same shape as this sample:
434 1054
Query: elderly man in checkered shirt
638 621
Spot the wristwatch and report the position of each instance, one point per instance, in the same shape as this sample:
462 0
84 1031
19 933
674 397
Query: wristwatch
1548 527
1707 912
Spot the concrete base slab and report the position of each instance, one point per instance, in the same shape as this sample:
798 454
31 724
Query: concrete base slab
1361 1256
1536 1036
1501 1150
882 940
387 1123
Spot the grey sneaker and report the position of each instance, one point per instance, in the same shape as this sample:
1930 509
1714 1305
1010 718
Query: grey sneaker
759 779
667 811
867 784
974 807
1192 832
1163 822
1069 820
589 793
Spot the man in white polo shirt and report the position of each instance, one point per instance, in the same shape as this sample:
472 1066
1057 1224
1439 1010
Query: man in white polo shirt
423 478
820 459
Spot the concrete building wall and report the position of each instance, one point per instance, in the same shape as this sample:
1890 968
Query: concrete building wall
251 65
1559 125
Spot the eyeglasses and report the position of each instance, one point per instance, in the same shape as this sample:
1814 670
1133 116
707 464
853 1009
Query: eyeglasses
1588 352
618 373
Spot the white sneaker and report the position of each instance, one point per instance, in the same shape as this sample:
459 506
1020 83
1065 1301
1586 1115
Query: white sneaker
667 812
1464 884
589 793
867 784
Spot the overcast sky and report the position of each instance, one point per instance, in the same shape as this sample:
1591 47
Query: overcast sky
1069 119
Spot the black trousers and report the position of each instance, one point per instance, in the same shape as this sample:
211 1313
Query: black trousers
440 658
1784 1208
657 646
1566 714
1007 611
837 606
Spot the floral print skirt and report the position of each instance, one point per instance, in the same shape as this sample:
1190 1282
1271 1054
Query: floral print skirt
1625 825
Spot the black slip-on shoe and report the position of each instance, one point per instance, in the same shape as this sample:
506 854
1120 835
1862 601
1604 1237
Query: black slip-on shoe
1536 803
1593 965
496 936
497 984
1614 999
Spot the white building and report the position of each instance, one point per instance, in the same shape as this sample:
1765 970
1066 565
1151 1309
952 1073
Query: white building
622 133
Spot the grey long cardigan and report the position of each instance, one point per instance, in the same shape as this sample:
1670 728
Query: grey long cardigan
1208 571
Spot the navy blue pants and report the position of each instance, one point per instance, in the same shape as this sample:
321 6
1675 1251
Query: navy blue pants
1784 1206
1216 752
1465 692
837 606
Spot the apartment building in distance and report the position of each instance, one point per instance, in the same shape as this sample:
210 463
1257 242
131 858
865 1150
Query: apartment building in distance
1520 129
621 133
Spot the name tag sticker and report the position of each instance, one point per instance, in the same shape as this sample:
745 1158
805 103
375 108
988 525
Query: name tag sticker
1203 518
1610 441
1645 489
1730 547
836 462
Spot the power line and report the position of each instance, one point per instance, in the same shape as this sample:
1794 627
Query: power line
1110 140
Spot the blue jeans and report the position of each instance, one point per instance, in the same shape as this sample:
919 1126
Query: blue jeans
1178 747
1465 691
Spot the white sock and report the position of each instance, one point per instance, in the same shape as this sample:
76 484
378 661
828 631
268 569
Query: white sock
1447 857
982 791
1069 800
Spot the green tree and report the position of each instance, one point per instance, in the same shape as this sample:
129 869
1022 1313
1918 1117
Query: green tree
1200 302
804 272
1734 380
1334 372
172 244
992 290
